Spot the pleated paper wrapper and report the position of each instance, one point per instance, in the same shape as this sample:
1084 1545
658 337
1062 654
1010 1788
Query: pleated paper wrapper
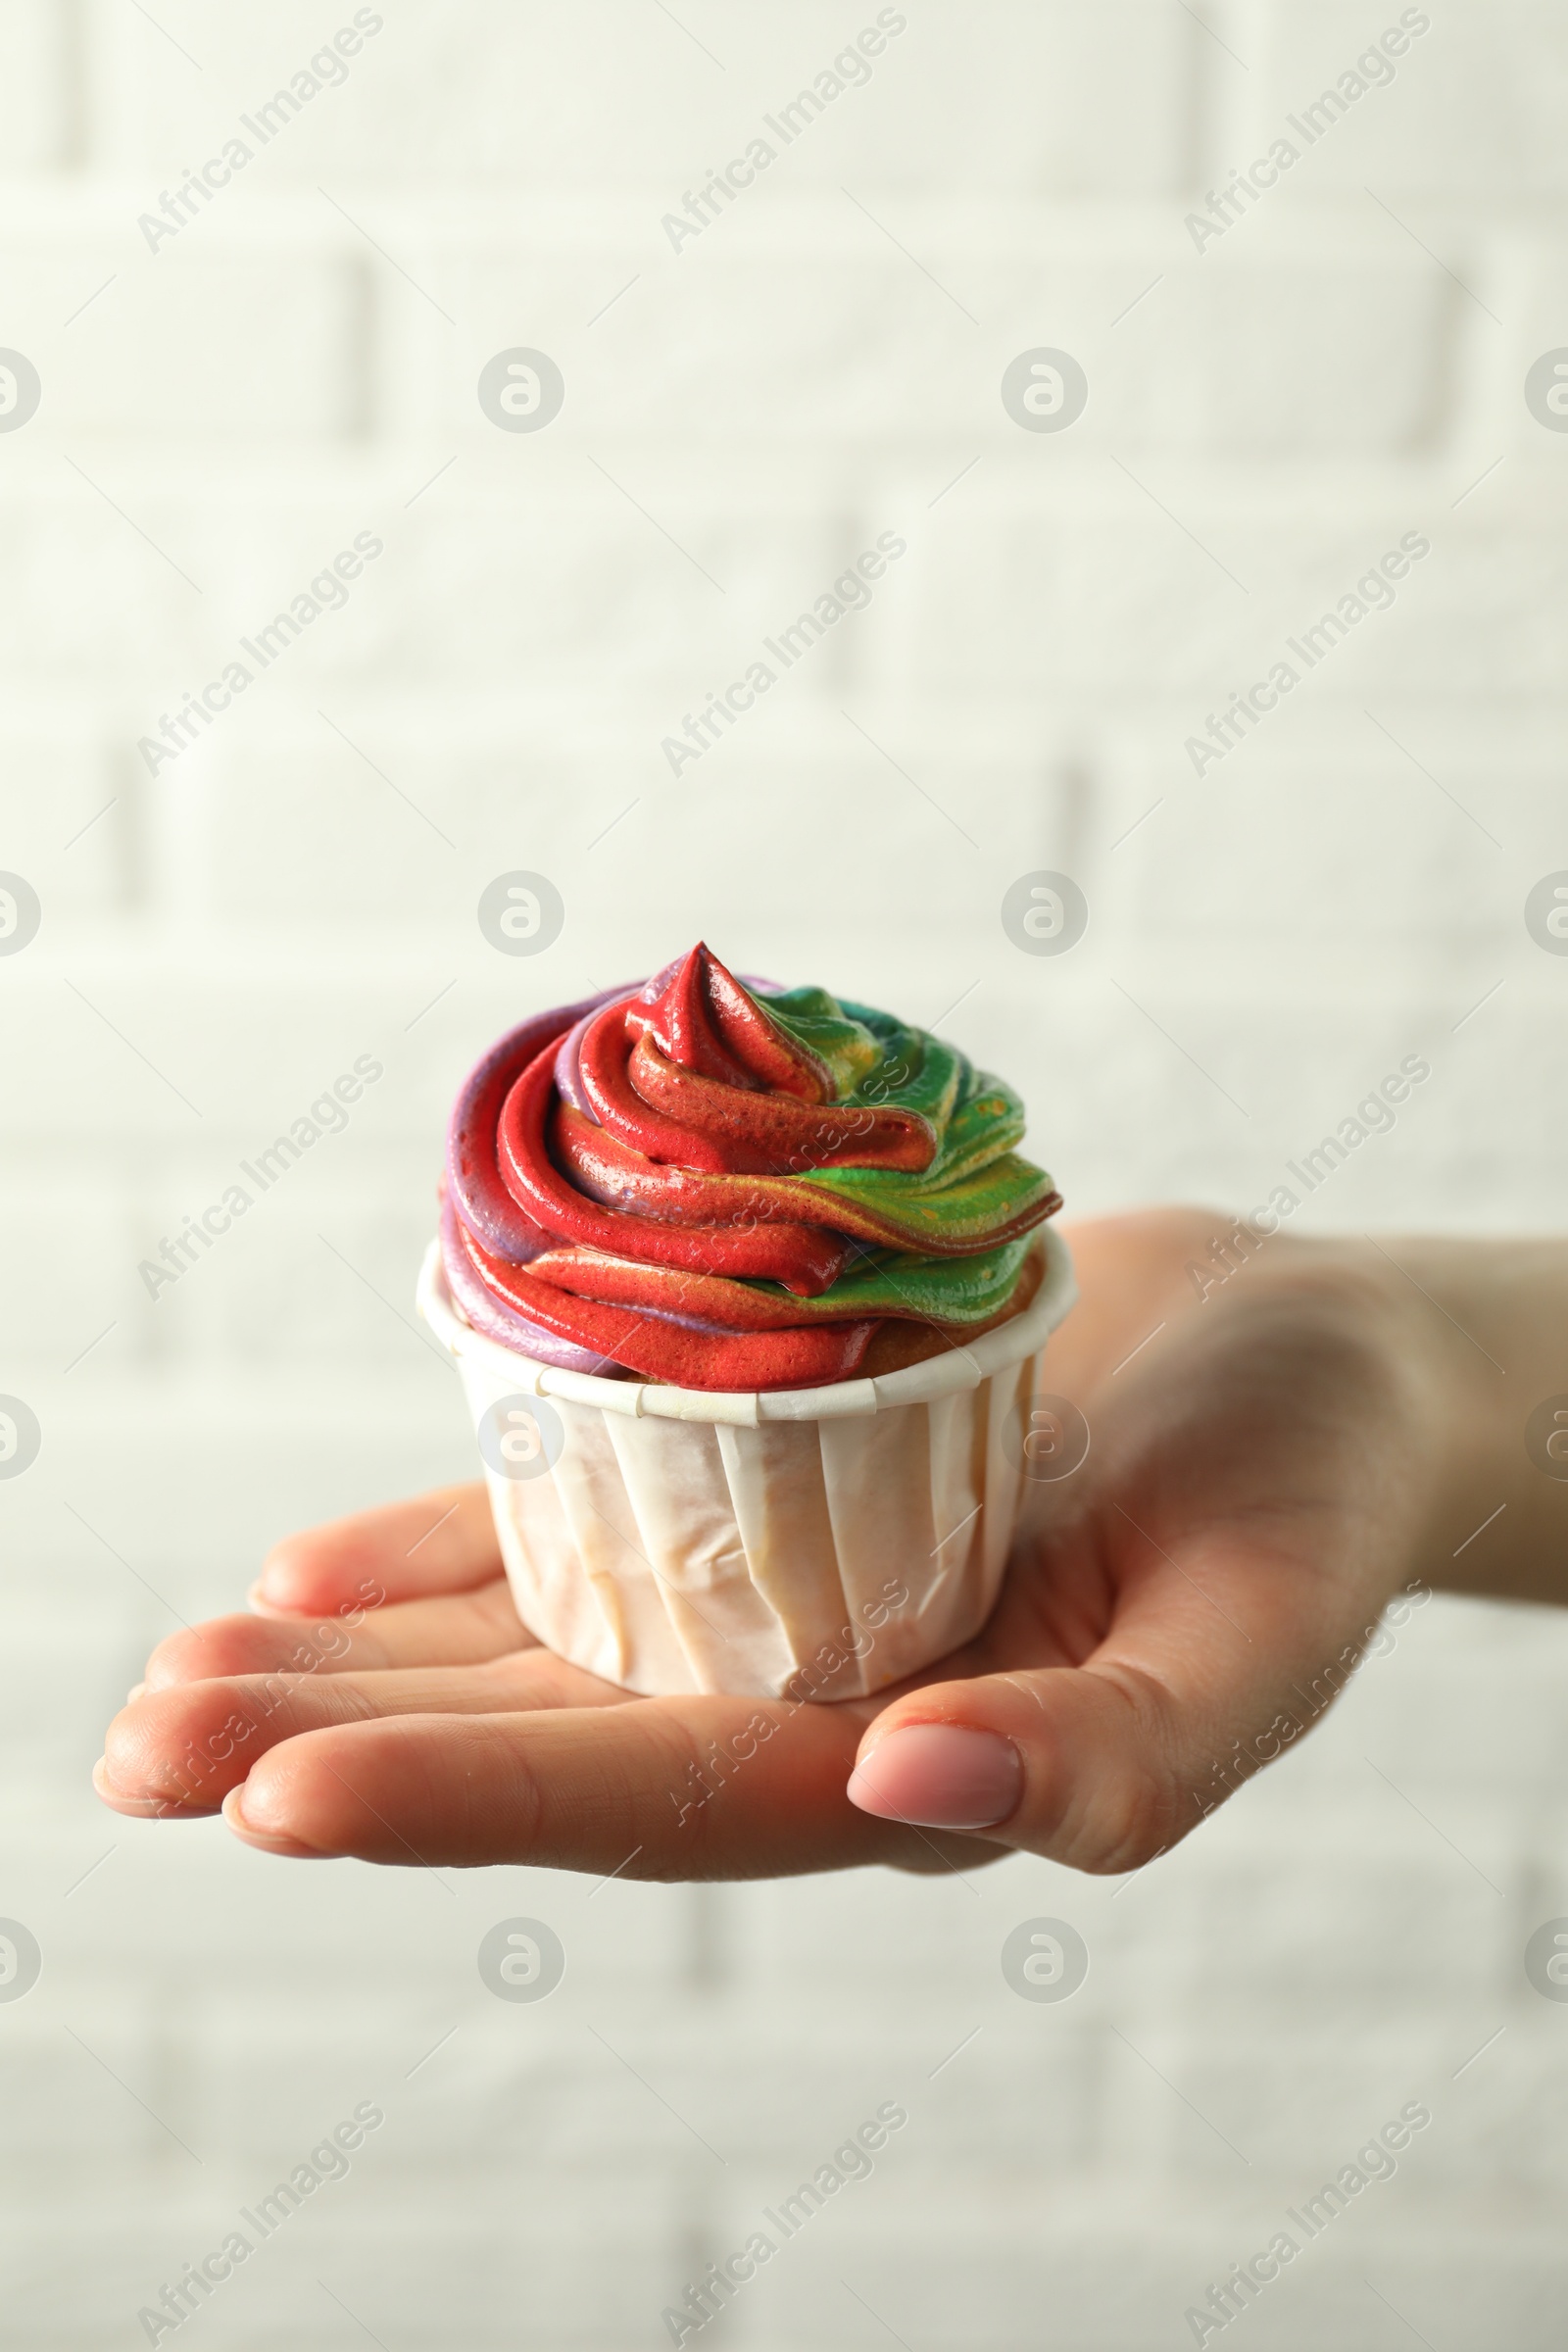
804 1543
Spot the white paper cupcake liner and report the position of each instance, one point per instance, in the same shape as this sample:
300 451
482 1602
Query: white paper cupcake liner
795 1542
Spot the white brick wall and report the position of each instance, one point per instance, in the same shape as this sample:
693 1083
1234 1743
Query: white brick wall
819 366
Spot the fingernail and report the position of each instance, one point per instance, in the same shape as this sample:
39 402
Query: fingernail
264 1839
134 1692
940 1775
261 1602
142 1808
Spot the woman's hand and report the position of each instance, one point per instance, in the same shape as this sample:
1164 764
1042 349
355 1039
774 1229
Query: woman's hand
1273 1456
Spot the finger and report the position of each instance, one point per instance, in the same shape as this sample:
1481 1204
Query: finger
662 1788
1249 1522
1060 1761
143 1809
189 1743
1106 1764
463 1629
443 1542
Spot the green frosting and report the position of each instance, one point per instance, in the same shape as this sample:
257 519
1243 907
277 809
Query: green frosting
977 1183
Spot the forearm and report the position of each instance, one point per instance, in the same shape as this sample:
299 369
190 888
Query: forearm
1472 1337
1486 1324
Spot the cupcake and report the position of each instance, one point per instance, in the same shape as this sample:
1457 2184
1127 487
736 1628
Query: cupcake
746 1286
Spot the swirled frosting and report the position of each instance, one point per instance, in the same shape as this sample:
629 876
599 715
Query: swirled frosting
722 1185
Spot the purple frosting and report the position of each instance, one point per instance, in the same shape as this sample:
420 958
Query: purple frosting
496 1321
486 1206
510 1328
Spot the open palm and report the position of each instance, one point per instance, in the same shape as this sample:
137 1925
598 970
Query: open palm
1176 1610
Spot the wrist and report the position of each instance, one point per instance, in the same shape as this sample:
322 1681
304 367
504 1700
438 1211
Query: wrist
1403 1393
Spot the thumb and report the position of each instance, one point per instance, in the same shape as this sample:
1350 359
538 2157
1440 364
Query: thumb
1100 1765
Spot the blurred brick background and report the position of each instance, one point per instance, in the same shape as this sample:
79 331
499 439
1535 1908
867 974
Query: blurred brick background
742 418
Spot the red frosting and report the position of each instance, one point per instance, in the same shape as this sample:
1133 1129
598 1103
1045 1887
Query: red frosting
619 1192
